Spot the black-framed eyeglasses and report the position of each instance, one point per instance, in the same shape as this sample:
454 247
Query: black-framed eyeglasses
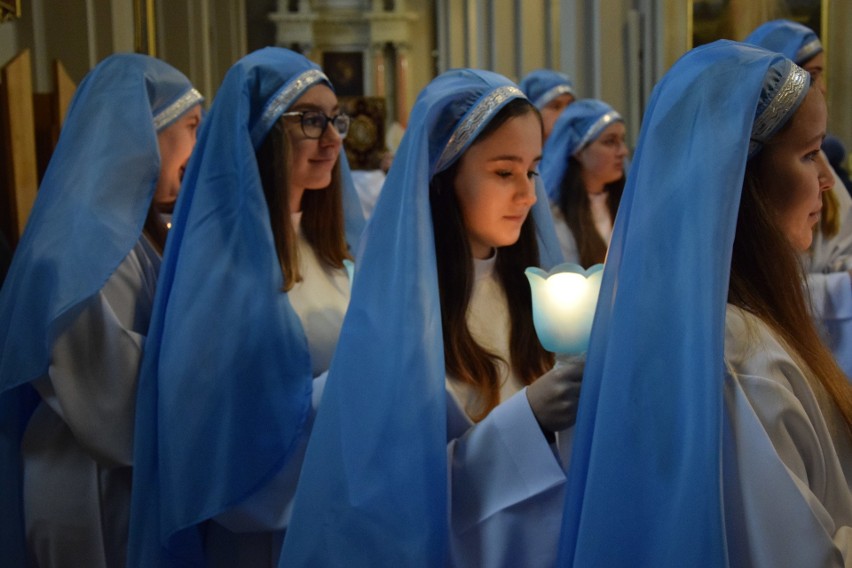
315 122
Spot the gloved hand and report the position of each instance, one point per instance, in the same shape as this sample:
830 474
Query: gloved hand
555 395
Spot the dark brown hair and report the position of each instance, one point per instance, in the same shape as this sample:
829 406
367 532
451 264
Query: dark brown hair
466 360
322 210
576 209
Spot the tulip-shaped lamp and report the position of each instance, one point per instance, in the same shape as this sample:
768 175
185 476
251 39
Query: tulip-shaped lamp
564 302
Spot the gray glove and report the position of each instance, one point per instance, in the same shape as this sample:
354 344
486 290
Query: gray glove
554 396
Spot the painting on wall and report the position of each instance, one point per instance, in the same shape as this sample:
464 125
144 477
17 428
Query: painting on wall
735 19
345 69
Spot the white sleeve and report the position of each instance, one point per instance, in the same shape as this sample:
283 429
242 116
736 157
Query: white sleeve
831 295
91 382
790 502
270 508
506 490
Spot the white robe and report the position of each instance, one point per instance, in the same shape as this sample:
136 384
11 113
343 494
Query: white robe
507 482
251 534
827 264
78 446
602 220
788 466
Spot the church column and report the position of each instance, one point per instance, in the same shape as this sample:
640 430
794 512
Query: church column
379 87
402 83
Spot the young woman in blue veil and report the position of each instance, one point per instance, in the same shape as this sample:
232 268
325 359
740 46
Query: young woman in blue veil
253 293
440 395
551 92
583 172
828 262
715 428
75 309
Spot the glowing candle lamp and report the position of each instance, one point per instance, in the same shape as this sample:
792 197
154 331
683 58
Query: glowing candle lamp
564 302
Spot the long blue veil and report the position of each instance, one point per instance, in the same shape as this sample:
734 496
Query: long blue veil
373 488
88 215
226 379
645 485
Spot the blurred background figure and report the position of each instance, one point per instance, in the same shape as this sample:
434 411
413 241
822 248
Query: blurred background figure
583 170
75 309
551 92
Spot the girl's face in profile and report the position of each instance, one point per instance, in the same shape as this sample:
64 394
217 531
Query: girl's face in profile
176 142
603 158
795 172
495 184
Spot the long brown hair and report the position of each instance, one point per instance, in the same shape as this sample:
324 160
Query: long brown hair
322 210
576 209
767 280
466 360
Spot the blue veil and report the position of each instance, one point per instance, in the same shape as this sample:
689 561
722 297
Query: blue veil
373 488
578 125
88 214
645 483
543 85
793 40
226 378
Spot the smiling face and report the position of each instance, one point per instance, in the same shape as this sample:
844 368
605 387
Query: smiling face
313 159
176 142
495 184
796 173
603 159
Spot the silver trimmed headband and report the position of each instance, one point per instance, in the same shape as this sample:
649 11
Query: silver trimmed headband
551 94
808 50
177 108
282 100
471 123
596 128
777 112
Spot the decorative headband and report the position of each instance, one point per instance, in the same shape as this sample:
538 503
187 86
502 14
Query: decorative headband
473 121
551 94
282 101
808 50
782 104
596 128
177 108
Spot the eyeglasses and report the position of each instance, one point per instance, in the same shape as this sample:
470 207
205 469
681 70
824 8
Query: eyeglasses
315 122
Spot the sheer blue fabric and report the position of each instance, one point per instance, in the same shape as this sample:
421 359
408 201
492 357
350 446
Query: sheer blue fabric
88 215
793 40
226 378
543 85
373 489
645 484
578 125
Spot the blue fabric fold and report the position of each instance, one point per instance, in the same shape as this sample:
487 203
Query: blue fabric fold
225 384
543 85
87 216
373 488
791 39
645 479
